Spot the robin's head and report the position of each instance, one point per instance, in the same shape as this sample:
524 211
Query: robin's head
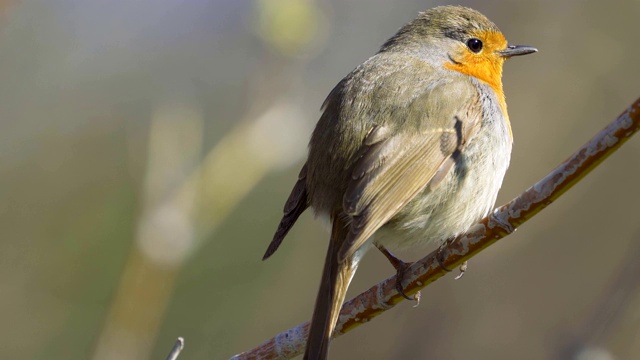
459 39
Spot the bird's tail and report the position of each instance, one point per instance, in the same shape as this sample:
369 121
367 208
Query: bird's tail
336 277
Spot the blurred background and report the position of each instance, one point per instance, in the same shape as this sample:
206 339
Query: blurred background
147 149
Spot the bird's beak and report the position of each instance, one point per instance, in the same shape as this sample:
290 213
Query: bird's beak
516 50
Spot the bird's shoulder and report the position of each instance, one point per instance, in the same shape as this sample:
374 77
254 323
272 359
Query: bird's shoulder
392 86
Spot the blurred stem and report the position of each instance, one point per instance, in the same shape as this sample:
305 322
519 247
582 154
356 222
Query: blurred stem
502 222
143 293
184 203
163 240
225 176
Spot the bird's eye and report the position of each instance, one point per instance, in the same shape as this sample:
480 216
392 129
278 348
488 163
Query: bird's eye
474 45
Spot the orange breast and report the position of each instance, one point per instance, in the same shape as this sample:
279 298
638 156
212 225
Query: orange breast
485 66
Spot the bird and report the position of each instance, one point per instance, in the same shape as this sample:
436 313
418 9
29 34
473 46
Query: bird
411 148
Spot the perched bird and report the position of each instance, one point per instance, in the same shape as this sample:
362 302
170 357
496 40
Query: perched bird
411 148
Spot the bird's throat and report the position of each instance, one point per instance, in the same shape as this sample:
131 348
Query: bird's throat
488 71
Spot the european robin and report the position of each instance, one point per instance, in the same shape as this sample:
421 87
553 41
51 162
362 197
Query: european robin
411 148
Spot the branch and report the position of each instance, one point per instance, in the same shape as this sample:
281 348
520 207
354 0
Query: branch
502 222
177 348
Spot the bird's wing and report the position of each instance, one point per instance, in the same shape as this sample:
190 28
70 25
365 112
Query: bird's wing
394 166
295 206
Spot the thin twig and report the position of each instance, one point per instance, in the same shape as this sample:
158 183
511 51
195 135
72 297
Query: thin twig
177 348
503 221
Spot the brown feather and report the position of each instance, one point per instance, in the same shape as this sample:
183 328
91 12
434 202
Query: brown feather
295 206
336 277
393 168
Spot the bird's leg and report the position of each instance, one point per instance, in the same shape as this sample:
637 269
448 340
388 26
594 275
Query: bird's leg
400 267
440 254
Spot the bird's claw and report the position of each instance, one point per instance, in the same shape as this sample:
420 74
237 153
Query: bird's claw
401 268
463 269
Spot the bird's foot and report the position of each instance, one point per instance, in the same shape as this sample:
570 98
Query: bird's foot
401 267
439 257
